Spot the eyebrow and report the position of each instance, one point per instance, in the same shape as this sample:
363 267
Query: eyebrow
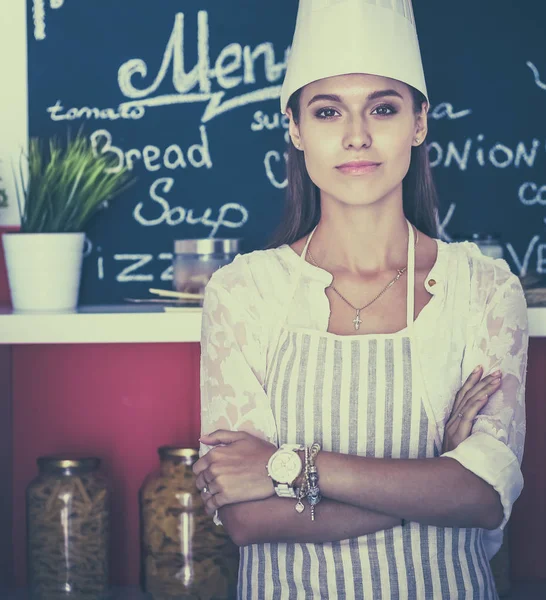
373 96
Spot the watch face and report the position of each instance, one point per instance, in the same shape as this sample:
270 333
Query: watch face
285 466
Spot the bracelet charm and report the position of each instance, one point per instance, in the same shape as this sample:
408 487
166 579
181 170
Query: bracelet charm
302 491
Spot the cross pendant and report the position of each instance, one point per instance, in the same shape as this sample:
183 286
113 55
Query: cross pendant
357 320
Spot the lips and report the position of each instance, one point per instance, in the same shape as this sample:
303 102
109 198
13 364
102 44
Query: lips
358 167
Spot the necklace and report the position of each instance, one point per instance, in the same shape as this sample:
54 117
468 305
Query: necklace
357 320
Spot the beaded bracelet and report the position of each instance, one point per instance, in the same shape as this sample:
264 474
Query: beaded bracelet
313 492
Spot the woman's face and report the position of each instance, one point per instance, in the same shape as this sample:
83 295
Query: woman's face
349 118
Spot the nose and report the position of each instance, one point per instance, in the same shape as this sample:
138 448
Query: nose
357 134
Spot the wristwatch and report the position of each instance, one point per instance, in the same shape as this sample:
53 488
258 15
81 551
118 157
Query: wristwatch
284 468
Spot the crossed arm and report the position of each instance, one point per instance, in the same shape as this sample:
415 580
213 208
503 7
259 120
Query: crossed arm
275 520
361 494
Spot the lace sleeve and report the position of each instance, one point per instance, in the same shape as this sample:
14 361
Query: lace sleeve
498 339
232 366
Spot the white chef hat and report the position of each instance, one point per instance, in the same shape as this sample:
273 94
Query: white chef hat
337 37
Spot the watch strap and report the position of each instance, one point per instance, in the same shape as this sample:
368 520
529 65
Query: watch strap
293 447
283 490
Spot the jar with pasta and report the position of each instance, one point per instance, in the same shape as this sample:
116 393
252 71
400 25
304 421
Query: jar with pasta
68 530
184 554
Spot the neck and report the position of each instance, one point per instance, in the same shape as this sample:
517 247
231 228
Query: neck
360 245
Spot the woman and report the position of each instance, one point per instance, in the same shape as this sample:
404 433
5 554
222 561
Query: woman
402 356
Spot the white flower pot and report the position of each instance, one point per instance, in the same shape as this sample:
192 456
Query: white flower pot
44 270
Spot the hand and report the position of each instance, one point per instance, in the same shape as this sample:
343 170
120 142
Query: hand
234 470
470 399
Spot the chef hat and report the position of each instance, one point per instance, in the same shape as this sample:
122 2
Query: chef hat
337 37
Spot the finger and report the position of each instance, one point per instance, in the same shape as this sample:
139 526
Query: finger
472 408
222 436
201 465
213 503
470 415
206 493
463 427
484 381
471 380
200 482
477 389
485 388
209 507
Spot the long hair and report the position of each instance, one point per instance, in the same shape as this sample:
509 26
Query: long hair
302 203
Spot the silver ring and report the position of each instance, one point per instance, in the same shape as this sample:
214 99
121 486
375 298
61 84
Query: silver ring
205 490
461 416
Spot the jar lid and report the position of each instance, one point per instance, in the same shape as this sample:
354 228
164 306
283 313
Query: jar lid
207 246
179 451
56 463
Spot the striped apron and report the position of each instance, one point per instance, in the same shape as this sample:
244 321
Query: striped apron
364 395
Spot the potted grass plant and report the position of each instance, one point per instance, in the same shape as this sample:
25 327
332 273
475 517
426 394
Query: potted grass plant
65 187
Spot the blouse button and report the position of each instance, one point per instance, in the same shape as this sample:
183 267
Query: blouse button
432 282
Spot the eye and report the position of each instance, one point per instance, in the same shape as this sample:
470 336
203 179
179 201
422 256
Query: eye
325 113
384 107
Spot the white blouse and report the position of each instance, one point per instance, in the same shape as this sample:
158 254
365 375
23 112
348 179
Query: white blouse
477 316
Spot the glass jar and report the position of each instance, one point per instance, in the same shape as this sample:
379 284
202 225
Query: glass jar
184 554
68 530
194 262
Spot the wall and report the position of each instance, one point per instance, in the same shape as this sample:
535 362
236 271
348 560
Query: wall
13 136
13 99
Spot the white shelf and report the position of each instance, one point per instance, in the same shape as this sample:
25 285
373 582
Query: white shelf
111 324
537 322
130 324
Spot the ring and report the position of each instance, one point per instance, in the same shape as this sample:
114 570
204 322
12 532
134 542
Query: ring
461 416
205 490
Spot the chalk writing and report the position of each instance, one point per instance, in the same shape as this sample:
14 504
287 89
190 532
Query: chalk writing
263 121
110 114
141 260
530 193
499 155
153 158
234 66
442 225
523 265
177 215
38 16
275 156
446 110
536 73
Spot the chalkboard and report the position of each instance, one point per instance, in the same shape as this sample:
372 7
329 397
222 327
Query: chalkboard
187 93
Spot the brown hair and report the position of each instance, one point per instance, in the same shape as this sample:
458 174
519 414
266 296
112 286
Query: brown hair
302 204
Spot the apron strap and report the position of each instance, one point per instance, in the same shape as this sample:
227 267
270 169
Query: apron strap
411 277
304 251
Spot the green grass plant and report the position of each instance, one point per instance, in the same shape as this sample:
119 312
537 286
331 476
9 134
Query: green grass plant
66 185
